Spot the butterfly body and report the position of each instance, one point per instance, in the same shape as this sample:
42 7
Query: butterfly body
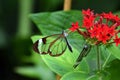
86 49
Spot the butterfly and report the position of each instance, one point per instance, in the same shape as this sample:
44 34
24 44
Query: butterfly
54 45
86 49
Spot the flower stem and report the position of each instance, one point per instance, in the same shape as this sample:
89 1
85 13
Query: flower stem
98 59
81 33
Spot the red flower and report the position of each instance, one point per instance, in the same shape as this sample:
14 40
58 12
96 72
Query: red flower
110 16
105 34
97 29
117 40
87 12
100 32
112 31
88 21
103 38
74 27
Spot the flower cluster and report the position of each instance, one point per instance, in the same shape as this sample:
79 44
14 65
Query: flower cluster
74 27
102 28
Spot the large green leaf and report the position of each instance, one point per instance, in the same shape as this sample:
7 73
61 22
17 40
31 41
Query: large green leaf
77 75
55 22
52 23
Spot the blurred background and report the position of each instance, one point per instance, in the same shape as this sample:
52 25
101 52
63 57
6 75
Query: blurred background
16 28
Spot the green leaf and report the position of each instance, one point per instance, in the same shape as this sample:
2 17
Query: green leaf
63 64
93 77
36 72
27 71
114 70
75 76
55 22
115 51
99 77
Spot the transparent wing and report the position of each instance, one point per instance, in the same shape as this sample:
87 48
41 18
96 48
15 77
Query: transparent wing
54 45
57 47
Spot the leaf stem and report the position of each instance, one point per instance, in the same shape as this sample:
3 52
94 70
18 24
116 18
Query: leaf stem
98 59
106 60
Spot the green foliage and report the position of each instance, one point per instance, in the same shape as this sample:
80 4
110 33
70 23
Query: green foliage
77 75
50 23
38 70
114 51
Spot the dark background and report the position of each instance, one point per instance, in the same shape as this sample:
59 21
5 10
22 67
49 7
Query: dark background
16 28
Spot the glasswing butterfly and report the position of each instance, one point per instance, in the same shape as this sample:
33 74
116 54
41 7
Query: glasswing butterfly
54 45
86 49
